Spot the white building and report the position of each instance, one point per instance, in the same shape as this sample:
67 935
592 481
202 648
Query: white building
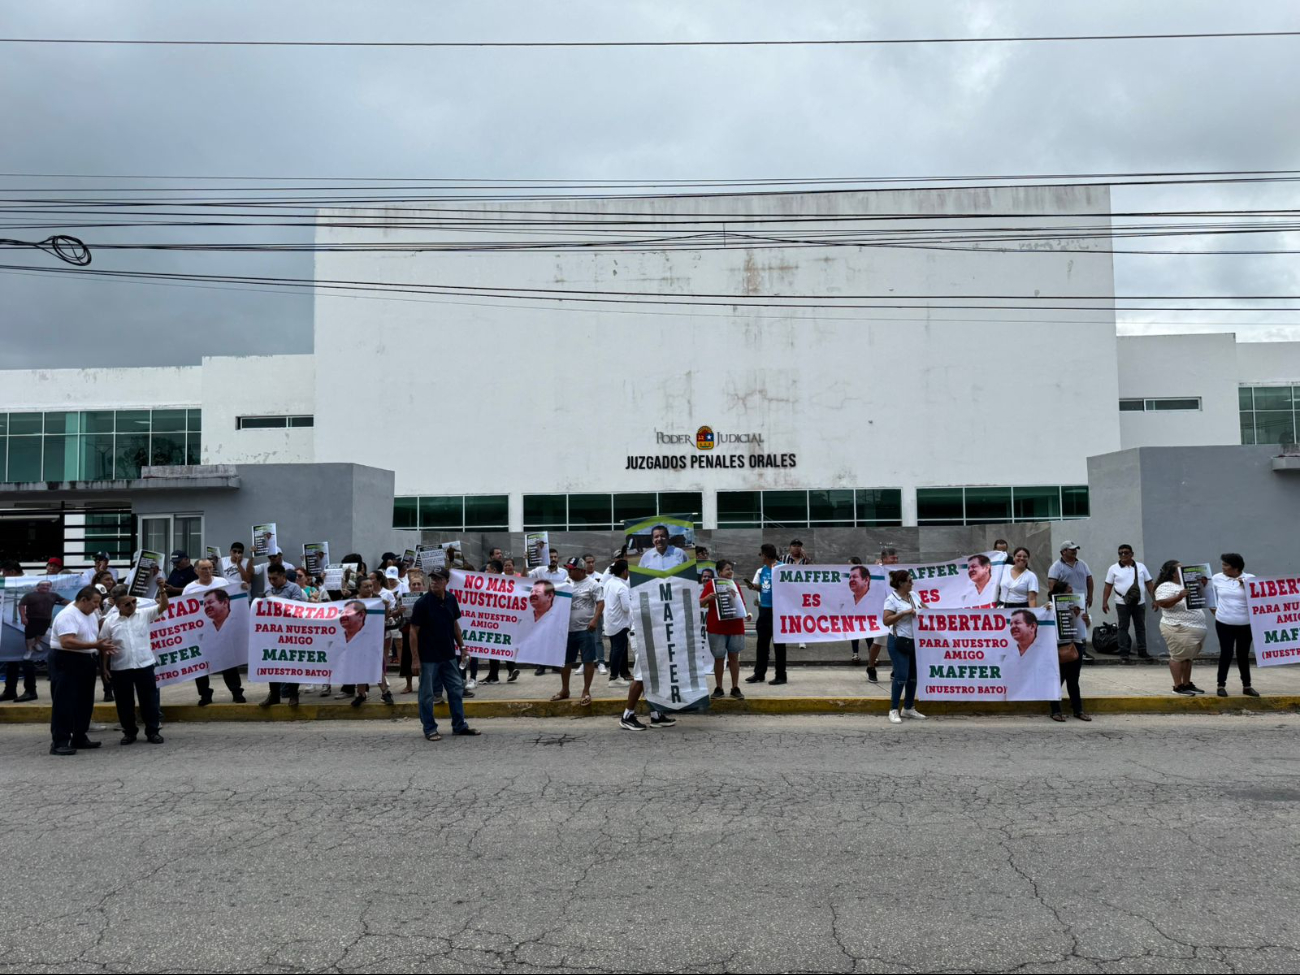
504 410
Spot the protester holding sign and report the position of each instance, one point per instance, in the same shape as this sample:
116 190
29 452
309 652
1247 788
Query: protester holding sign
1132 582
1232 620
726 633
278 585
900 616
206 582
586 609
132 664
762 584
1069 646
1072 569
1182 628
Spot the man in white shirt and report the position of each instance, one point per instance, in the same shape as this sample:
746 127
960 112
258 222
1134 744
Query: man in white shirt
1072 569
551 572
74 641
207 581
237 570
1128 577
617 621
598 578
132 665
663 556
275 559
101 565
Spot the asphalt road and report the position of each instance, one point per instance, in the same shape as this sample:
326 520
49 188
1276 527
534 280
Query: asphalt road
730 843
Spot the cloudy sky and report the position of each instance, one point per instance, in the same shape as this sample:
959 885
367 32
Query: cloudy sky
596 114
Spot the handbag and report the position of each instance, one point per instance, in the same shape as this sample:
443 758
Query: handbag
1067 652
1105 638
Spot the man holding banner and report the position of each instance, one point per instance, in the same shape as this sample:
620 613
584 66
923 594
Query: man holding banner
132 665
216 606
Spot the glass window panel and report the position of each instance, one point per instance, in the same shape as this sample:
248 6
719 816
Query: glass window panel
1273 427
1074 501
590 510
1187 403
302 421
881 507
833 505
686 504
133 421
130 453
24 459
1244 398
629 507
1038 503
4 424
187 534
442 512
22 423
785 508
60 462
96 457
193 448
545 511
939 506
194 419
988 504
97 421
262 422
490 512
1248 428
62 422
168 421
167 449
406 512
739 509
1273 397
1131 406
111 533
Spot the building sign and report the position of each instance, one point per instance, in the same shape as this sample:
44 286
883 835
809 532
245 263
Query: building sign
747 452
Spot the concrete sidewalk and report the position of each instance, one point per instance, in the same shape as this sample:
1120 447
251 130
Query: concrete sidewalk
1107 688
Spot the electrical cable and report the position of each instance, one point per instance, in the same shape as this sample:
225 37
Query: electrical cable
65 248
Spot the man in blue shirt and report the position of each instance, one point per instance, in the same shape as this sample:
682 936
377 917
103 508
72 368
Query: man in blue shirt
436 641
762 584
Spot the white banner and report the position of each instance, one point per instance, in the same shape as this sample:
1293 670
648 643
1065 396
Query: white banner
322 643
673 655
13 644
512 618
987 655
968 583
1275 620
200 635
822 603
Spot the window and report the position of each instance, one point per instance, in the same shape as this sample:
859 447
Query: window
1160 404
587 512
1269 414
273 422
96 445
830 508
456 512
985 505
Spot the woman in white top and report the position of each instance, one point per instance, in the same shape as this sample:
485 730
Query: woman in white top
1232 621
900 616
1019 588
1182 628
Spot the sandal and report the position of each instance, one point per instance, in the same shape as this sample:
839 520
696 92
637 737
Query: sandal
1082 716
1057 716
585 700
434 736
560 697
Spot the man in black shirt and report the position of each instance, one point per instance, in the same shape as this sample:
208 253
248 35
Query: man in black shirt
182 574
436 641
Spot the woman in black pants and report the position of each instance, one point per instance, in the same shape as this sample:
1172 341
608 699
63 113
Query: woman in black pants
1232 621
1071 657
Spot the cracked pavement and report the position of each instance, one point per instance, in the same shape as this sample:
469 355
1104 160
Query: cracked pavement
729 843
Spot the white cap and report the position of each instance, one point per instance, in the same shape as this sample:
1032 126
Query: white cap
392 573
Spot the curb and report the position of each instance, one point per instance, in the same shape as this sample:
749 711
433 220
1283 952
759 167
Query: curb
107 713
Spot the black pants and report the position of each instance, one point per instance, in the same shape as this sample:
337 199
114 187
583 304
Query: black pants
27 668
279 690
1138 614
129 684
618 655
204 684
1070 675
1233 635
74 695
764 640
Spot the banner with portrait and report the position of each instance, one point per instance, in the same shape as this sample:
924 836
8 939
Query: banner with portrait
824 603
320 643
987 655
659 548
672 645
512 618
54 591
972 582
1274 606
200 635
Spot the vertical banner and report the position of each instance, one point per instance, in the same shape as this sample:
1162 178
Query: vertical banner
143 574
1199 595
987 655
1275 619
512 617
537 549
200 635
323 643
824 603
265 539
315 558
19 593
673 656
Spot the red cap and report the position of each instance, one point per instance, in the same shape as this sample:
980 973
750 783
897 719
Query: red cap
54 560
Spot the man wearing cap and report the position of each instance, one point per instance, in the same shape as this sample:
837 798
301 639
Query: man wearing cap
663 556
1070 568
208 581
101 565
182 574
274 558
585 611
437 641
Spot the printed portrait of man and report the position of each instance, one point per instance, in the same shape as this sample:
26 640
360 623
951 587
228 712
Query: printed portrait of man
541 597
216 607
859 583
981 592
1024 629
352 619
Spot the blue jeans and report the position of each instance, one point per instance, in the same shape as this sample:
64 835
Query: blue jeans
902 655
446 673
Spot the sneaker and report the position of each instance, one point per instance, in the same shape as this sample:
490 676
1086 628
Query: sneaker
1222 691
471 684
437 699
491 680
359 700
803 646
856 660
619 682
1193 688
1184 690
327 692
466 693
238 697
894 718
539 672
871 676
127 740
630 723
913 713
717 692
601 669
154 738
108 694
514 676
62 750
10 694
1248 691
387 698
268 702
735 692
205 700
661 720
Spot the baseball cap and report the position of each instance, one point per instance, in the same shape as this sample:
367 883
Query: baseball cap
392 573
102 557
54 560
576 563
178 554
1069 545
442 572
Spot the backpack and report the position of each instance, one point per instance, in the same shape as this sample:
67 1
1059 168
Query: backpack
1105 638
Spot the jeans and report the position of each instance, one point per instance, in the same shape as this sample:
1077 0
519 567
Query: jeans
127 685
764 640
1070 675
600 648
204 684
446 673
902 655
618 655
74 695
1233 635
1138 614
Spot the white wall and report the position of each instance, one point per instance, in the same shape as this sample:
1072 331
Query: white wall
1268 362
267 385
1180 365
98 389
552 400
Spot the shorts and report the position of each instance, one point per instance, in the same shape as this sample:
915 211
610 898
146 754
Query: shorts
1184 642
882 640
721 644
635 654
582 643
35 629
